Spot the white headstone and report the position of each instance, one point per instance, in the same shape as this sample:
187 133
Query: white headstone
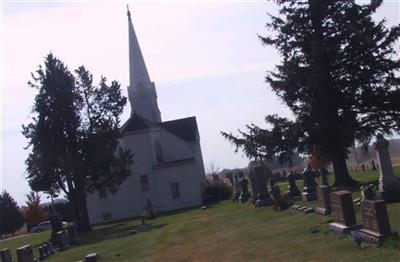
388 181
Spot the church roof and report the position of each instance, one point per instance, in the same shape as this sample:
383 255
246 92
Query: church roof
185 128
136 123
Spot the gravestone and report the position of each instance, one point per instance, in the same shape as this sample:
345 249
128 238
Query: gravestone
236 188
309 190
280 201
46 249
244 190
389 183
5 255
260 187
142 219
324 200
42 253
72 233
25 254
50 247
344 219
92 257
373 165
151 214
254 186
55 219
61 240
293 190
375 220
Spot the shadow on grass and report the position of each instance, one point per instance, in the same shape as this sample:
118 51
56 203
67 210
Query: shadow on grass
118 230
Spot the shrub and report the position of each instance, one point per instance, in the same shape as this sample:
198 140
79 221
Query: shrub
217 191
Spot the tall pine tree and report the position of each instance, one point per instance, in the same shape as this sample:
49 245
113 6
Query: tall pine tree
11 218
339 75
74 135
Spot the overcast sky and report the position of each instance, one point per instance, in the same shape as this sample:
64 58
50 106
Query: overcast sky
205 59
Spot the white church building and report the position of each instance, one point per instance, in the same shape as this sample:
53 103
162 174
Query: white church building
168 170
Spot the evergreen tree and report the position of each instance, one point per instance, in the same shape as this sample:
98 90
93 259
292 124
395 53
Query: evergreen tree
74 136
338 75
11 218
34 212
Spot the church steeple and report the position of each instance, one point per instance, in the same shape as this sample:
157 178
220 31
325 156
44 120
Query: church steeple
141 91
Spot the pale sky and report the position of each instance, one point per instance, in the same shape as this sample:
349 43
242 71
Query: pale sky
205 59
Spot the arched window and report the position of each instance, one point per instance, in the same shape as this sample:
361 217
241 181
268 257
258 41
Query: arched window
157 149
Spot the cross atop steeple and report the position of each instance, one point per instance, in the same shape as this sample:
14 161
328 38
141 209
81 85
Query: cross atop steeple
128 12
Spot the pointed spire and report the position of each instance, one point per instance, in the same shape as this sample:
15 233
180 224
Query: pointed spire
142 92
137 66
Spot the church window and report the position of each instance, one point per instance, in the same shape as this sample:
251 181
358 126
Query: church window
144 182
175 191
102 193
159 155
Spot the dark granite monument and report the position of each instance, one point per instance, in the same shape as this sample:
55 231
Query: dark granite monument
375 220
259 186
309 190
293 190
344 219
5 255
244 190
324 200
236 188
61 240
25 254
72 233
42 253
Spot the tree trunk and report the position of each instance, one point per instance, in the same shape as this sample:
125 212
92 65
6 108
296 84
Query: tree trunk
84 223
342 176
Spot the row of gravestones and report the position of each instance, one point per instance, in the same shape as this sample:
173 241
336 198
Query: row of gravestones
365 167
262 193
389 183
376 226
62 239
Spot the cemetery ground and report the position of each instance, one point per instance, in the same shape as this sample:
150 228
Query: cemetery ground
226 231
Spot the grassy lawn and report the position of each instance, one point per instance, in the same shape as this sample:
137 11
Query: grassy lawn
227 232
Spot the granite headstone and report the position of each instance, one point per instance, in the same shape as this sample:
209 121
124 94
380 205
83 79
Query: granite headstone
344 219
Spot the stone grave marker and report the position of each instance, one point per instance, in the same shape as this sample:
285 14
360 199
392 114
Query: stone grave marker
389 183
42 253
5 255
244 191
376 221
25 254
92 257
72 233
260 187
324 200
309 190
344 219
61 240
293 190
50 247
236 187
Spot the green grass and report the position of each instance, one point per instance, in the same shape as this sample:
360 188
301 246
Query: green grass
226 232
